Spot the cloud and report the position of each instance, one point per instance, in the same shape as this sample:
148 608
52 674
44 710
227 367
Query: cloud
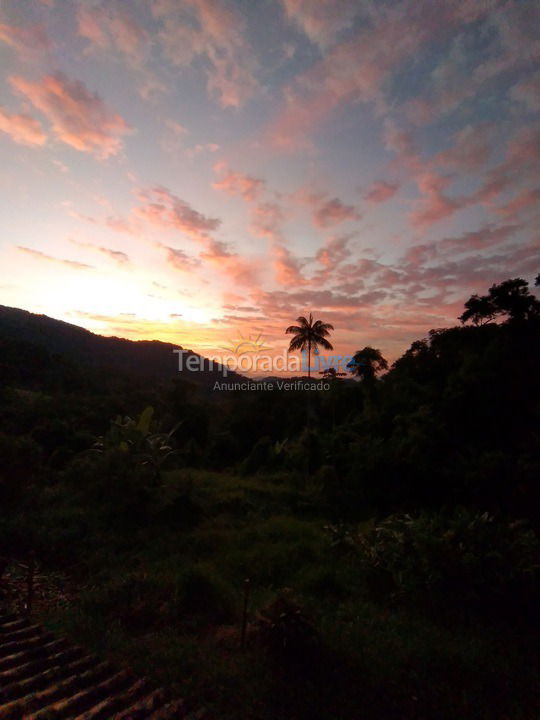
331 255
214 30
510 43
323 20
78 117
326 211
117 255
380 192
486 237
360 68
202 148
333 212
286 267
520 166
23 129
110 27
471 148
435 205
527 91
48 258
181 261
26 41
521 202
119 225
236 183
161 207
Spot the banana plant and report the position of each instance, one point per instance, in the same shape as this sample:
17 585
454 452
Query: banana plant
140 439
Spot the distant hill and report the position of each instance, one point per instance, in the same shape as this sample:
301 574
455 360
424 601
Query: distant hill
142 358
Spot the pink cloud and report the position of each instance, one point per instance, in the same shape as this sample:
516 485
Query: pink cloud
161 207
331 255
23 129
520 166
119 225
358 69
181 260
326 211
435 205
333 212
527 198
26 41
236 183
266 221
335 251
470 149
48 258
512 45
321 21
215 30
79 118
527 91
110 27
380 192
120 257
286 267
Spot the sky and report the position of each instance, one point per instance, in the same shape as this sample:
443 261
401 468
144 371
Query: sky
198 171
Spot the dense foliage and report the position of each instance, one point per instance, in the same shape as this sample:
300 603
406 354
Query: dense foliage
389 526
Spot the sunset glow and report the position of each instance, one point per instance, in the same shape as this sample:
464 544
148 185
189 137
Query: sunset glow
198 171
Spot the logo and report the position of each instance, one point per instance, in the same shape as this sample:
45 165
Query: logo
252 354
254 343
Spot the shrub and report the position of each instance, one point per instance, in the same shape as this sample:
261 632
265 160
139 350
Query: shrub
284 630
452 561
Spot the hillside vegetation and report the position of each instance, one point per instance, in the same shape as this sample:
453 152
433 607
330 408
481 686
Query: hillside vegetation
388 528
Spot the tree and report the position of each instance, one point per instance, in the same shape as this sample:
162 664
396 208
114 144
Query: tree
510 298
479 309
331 374
367 363
309 334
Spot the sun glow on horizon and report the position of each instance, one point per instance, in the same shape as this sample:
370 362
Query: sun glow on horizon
171 172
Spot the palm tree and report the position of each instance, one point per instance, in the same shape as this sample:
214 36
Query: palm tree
309 334
367 363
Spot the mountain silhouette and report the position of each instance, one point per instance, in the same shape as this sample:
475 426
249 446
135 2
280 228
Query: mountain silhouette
141 358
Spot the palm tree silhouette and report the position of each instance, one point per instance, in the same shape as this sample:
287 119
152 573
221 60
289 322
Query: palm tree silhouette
367 363
309 333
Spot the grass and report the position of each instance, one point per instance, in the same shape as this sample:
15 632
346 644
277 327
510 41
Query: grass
170 604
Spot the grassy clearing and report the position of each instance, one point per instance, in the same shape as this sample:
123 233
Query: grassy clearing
169 603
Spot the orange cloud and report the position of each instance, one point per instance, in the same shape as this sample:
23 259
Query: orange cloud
79 118
23 129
